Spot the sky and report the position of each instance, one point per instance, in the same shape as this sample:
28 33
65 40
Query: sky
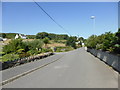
28 18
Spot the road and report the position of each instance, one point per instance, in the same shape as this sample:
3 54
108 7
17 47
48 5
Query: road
75 69
11 72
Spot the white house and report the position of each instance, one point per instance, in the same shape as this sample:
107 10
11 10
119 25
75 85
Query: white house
21 36
3 39
16 36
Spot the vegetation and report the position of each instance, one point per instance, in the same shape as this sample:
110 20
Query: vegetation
31 36
60 41
107 42
8 35
51 36
64 49
19 49
14 45
46 41
71 42
11 57
41 35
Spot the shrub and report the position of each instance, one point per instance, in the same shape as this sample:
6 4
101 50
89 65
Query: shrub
46 41
14 45
91 42
35 45
10 57
33 52
44 50
2 53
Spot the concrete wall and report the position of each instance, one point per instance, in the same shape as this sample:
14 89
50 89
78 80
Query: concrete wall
110 59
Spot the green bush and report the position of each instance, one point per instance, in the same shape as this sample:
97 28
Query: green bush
35 45
44 50
2 53
91 41
46 40
107 42
33 52
14 45
10 57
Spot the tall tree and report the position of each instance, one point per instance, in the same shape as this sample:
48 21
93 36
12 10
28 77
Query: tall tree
41 35
71 42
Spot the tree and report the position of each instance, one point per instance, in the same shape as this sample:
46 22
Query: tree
81 39
41 35
71 42
46 41
108 40
3 35
91 42
116 42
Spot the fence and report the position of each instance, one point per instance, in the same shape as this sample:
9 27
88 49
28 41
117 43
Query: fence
110 59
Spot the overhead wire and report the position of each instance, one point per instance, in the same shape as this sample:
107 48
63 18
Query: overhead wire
51 17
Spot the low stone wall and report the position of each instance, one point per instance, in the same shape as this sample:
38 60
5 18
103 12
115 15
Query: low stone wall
9 64
110 59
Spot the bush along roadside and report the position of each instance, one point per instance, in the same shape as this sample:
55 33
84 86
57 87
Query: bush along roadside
106 42
16 62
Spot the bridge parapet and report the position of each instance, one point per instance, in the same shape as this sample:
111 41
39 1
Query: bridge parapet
109 58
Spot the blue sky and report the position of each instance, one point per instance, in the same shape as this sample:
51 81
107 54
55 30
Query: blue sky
28 18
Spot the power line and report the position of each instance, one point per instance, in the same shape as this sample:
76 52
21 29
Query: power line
51 17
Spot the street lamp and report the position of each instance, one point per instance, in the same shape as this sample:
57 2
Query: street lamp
93 17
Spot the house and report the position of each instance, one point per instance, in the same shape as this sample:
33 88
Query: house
3 39
21 36
17 36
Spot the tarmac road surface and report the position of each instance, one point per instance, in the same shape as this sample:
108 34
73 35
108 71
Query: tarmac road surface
76 69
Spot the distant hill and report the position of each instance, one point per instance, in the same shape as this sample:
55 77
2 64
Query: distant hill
12 35
40 35
8 35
